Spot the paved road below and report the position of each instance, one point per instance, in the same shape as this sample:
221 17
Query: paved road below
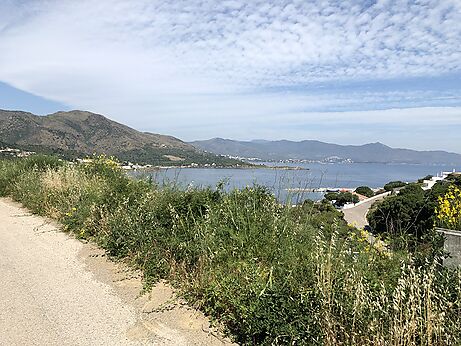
55 290
357 215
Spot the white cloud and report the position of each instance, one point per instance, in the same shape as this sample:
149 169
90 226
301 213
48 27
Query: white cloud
166 64
237 43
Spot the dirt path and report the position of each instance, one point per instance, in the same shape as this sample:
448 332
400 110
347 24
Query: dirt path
56 290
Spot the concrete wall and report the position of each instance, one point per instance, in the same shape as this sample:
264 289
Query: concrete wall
452 245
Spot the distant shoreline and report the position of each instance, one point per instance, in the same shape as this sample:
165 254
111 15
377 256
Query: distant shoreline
286 168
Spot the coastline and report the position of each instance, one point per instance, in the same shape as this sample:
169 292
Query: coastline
155 168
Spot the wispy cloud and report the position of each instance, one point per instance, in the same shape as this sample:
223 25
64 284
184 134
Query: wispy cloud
199 63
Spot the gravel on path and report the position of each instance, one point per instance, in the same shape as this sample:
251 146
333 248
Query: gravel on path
57 290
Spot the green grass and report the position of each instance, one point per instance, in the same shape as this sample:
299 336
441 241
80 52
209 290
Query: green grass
271 274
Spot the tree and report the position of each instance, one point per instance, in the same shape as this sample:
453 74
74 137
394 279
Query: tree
331 196
393 185
454 178
365 191
427 177
406 219
412 189
341 198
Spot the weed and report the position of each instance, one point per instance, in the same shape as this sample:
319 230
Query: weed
272 274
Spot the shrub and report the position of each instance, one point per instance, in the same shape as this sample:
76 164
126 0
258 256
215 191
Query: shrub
365 191
272 274
449 209
394 185
427 177
407 220
341 198
12 169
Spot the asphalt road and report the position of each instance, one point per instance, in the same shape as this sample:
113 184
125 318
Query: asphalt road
357 215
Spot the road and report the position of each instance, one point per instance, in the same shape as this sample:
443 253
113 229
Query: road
357 215
56 290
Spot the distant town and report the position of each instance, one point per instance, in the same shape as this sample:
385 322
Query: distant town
14 152
330 159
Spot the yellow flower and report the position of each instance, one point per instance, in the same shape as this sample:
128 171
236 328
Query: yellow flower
448 211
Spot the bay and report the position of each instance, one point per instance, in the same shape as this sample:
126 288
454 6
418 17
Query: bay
311 176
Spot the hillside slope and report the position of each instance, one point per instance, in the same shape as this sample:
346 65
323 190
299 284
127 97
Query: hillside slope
316 150
77 133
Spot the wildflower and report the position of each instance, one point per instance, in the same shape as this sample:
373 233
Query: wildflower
448 211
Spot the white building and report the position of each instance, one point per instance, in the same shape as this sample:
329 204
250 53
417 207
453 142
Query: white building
428 184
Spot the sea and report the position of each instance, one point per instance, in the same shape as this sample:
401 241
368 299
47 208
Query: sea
296 185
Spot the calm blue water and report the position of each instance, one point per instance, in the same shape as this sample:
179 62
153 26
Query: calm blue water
314 175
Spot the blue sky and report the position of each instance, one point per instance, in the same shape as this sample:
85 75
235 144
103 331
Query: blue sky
347 72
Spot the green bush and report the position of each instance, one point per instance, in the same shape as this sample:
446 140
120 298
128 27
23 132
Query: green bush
365 191
272 274
341 198
427 177
407 220
394 185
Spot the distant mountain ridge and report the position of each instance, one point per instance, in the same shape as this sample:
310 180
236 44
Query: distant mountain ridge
318 151
77 133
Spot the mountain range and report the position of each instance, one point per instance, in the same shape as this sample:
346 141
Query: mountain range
320 151
79 133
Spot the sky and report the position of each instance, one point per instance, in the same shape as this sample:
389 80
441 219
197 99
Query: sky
346 72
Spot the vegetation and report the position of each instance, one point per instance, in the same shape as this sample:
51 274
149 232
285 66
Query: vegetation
145 156
76 134
427 177
158 157
365 191
407 219
394 185
272 274
341 198
449 209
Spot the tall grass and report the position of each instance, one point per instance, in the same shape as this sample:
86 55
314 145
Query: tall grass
272 274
